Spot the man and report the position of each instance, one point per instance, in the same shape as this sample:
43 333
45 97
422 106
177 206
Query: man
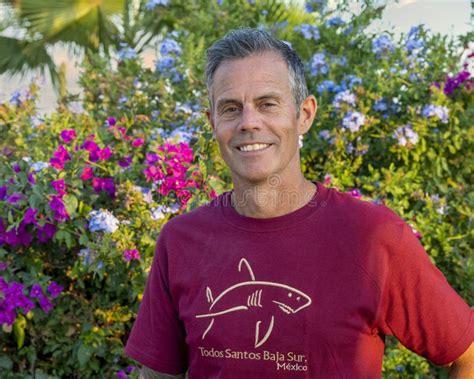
282 277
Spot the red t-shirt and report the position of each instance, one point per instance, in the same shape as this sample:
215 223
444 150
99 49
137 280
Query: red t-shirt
310 294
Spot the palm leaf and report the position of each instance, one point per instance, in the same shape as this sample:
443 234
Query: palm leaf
19 57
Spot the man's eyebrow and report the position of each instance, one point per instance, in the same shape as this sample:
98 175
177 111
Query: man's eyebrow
272 95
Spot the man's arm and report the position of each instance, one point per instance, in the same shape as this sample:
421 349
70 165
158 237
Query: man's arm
148 373
463 367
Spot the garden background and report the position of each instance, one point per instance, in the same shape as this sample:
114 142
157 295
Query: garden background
85 190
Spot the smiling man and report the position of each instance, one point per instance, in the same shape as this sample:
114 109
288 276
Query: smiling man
282 277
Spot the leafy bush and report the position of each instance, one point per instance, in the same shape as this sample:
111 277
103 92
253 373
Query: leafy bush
85 191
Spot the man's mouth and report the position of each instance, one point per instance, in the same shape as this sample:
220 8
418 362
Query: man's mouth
254 147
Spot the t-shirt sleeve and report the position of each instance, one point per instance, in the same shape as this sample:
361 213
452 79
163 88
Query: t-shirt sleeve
418 305
157 339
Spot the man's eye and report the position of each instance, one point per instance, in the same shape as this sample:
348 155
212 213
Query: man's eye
230 109
269 105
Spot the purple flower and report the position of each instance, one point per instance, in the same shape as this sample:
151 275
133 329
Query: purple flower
318 65
334 21
326 85
59 186
138 142
105 153
104 184
111 121
36 291
16 168
382 45
68 135
30 216
46 232
131 254
121 375
440 112
308 31
14 198
45 304
3 192
31 178
3 266
60 156
452 83
125 161
405 134
55 289
57 206
345 96
355 193
170 46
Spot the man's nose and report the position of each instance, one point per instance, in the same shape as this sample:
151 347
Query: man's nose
250 119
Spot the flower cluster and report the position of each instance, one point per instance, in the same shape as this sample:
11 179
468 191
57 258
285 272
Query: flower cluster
170 50
13 299
308 31
130 254
353 121
318 64
382 46
406 135
102 220
436 111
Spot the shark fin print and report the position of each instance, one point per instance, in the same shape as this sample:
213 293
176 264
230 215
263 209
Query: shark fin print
260 341
210 298
244 261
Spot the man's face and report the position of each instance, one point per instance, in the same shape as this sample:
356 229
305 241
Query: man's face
253 104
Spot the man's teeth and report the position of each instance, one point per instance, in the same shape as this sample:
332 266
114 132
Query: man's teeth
257 146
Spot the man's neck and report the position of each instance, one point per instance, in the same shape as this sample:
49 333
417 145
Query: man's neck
272 199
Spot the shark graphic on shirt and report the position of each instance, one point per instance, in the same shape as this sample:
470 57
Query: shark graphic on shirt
254 294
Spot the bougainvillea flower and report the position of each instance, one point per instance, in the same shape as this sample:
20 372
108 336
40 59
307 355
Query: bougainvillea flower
60 156
153 173
59 186
90 146
138 142
111 121
355 193
46 232
14 198
68 135
30 216
3 192
105 153
57 206
131 254
36 291
104 184
151 158
55 289
31 178
125 161
45 304
87 173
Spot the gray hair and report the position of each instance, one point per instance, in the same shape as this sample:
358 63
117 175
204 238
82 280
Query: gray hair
241 43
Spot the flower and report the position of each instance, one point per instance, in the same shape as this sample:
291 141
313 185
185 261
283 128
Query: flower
131 254
126 52
125 161
38 166
318 65
68 135
382 45
30 216
55 289
45 303
353 121
60 156
355 193
160 212
3 192
15 197
46 232
57 206
59 186
440 112
102 220
405 134
87 173
170 46
111 121
104 154
308 31
138 142
152 4
104 184
334 21
36 291
345 96
326 85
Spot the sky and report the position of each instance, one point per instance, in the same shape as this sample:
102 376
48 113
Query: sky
451 17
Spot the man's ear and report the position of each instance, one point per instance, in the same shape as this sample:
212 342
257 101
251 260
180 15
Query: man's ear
211 121
308 109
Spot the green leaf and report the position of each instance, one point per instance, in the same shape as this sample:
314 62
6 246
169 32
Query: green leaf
6 362
84 353
71 203
19 330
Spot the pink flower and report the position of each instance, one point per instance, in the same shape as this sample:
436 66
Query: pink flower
105 153
68 135
153 173
104 184
87 173
59 186
60 156
151 158
131 254
138 142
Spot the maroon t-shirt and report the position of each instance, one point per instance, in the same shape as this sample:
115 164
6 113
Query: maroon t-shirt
310 294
